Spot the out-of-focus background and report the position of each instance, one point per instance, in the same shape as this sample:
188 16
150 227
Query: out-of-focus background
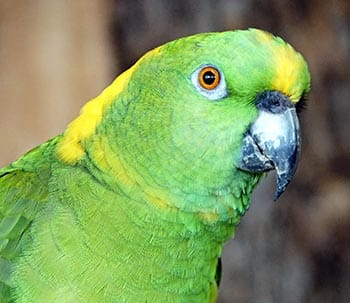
55 55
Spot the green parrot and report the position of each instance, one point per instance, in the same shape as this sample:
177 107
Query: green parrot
135 200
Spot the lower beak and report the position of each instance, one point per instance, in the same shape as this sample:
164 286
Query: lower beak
273 140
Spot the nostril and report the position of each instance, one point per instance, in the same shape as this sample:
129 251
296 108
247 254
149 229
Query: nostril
273 101
275 105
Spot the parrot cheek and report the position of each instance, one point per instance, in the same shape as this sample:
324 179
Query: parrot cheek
273 140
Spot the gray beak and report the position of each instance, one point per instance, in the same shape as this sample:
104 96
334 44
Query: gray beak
273 140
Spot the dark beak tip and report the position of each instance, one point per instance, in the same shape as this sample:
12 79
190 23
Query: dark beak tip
277 194
283 181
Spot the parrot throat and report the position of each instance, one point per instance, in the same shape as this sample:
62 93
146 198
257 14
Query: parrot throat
139 236
175 250
170 254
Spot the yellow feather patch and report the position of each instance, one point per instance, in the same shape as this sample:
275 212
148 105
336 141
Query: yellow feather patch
111 161
213 292
263 36
289 64
209 217
70 149
289 68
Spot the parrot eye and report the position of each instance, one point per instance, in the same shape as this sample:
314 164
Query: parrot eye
209 77
210 82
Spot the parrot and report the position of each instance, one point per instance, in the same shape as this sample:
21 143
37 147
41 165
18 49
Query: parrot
135 200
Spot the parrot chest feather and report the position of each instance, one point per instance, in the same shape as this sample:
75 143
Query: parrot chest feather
97 245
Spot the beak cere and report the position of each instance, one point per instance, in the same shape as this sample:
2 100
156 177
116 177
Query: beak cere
273 140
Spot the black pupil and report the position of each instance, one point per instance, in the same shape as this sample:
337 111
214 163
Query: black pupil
209 77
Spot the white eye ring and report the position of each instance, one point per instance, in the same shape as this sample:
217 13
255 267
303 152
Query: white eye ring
215 93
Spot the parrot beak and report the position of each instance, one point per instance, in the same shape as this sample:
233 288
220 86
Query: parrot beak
273 140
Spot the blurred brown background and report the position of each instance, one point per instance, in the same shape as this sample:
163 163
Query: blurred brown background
55 55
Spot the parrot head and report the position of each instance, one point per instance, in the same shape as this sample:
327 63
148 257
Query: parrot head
202 116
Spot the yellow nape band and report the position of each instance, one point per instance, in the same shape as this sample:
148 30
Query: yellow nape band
70 149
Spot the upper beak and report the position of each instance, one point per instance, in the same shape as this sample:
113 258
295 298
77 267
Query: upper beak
273 140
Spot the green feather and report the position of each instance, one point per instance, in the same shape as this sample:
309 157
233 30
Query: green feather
136 207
